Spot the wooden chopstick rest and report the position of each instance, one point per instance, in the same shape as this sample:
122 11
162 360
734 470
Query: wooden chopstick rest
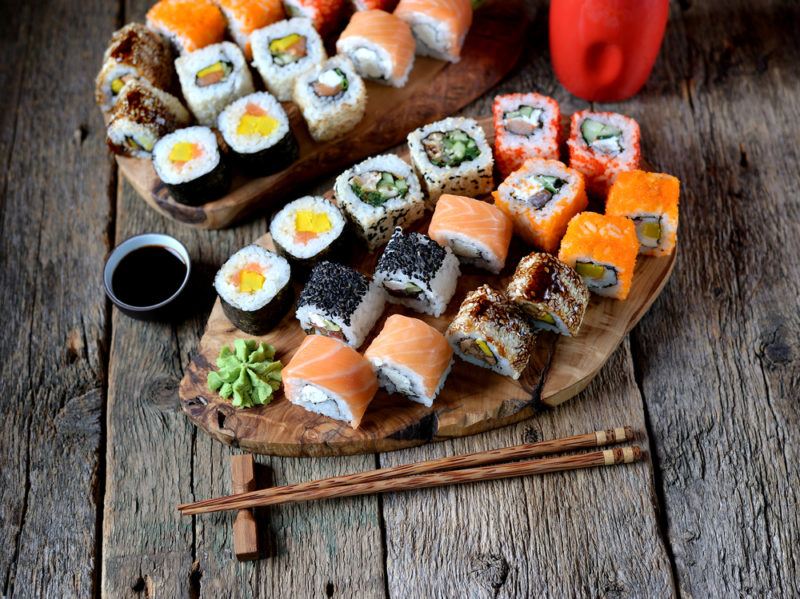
245 527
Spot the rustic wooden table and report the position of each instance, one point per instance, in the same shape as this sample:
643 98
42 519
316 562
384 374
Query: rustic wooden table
95 453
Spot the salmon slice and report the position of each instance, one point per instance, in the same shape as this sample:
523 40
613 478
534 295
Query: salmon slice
194 23
416 345
335 367
385 30
456 14
480 221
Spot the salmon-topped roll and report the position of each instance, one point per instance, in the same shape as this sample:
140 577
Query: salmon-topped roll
328 377
325 14
245 16
380 45
188 24
478 232
412 358
439 26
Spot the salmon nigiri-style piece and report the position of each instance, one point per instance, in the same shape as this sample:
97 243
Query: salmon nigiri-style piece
329 377
188 24
439 26
479 233
380 45
411 358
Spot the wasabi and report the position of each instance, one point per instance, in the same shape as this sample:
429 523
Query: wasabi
247 373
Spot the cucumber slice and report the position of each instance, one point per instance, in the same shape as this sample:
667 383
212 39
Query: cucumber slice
592 130
525 111
458 135
459 150
401 186
550 183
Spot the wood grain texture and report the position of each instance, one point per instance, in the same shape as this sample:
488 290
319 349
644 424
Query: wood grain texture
718 360
54 214
245 526
434 90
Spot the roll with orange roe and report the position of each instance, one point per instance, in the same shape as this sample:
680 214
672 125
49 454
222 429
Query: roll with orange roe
188 24
602 249
325 14
650 200
245 16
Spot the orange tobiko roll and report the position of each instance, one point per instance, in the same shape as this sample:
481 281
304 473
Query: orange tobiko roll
602 145
188 24
245 16
602 249
324 14
650 200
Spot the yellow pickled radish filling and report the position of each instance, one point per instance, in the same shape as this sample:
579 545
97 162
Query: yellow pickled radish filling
210 70
183 152
250 281
284 43
309 221
261 125
117 85
484 347
651 230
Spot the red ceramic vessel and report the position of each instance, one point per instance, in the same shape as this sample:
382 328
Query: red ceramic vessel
604 50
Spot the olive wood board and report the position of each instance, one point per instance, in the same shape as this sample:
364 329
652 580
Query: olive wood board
434 90
473 399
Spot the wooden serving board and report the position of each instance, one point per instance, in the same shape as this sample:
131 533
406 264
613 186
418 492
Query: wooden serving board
473 400
434 90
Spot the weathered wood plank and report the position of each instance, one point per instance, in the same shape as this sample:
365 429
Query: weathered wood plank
54 215
718 356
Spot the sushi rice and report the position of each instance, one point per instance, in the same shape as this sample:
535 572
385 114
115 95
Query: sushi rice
211 78
284 50
307 228
379 194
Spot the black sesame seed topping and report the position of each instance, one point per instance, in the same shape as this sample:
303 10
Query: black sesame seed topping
413 255
335 290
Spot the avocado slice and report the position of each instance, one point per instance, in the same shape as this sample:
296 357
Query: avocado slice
590 270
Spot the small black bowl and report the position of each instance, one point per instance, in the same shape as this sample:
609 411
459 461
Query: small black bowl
163 309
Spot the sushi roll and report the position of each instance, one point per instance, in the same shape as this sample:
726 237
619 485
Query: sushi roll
135 52
650 200
257 130
452 156
602 249
551 293
327 377
417 272
141 116
211 78
379 194
332 98
308 229
602 145
254 289
439 26
283 51
188 24
190 164
541 198
380 45
339 302
525 126
479 233
387 5
324 14
489 331
412 358
245 16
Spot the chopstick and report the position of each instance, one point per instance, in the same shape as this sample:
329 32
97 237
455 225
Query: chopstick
464 468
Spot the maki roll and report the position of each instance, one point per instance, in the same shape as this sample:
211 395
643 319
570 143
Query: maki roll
489 331
439 26
211 78
452 156
417 272
257 130
135 52
332 98
602 145
551 293
379 194
411 357
479 233
327 377
650 200
254 289
324 14
307 229
141 116
380 45
191 165
541 198
602 250
283 51
188 24
525 126
339 302
245 16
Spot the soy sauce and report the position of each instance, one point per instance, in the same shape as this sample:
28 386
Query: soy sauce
148 276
